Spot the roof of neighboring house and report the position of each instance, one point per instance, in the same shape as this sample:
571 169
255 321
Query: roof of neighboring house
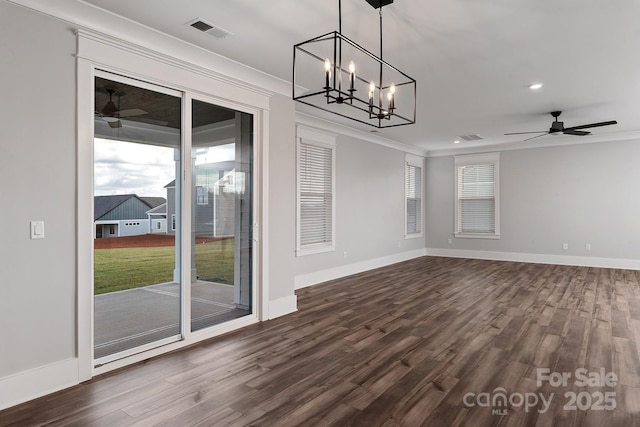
104 204
158 210
153 202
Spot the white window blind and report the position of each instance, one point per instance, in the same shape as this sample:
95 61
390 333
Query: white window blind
316 198
413 196
477 197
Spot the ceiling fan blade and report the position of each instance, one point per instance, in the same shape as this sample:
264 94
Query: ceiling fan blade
522 133
131 112
594 125
534 137
151 121
571 131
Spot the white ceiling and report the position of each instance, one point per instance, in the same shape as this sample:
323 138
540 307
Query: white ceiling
473 60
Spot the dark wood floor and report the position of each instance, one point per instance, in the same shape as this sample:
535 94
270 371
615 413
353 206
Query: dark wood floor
404 345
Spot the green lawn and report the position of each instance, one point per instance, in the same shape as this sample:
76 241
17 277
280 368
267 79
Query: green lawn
126 268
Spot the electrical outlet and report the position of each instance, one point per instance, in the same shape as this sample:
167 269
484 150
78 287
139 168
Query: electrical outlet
565 246
345 254
587 247
450 241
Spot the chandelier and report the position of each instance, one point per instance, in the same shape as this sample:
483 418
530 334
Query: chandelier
335 74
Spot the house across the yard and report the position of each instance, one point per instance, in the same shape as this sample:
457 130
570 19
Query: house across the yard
214 210
158 219
121 215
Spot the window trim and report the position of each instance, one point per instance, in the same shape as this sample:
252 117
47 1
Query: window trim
311 136
478 159
417 162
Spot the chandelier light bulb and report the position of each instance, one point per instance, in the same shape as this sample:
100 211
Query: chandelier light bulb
372 88
327 73
352 75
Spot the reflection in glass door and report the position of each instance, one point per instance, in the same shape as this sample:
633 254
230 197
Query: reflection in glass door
221 215
137 294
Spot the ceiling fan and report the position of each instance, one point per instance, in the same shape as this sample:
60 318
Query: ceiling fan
111 113
558 127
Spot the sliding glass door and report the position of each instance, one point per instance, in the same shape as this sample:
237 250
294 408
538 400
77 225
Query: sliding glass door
221 214
173 216
137 149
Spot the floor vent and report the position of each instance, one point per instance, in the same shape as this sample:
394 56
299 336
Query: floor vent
210 29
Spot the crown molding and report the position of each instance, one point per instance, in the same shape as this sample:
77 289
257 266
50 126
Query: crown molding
553 141
98 23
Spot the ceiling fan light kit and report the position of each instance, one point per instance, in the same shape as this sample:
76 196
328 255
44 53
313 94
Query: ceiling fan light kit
110 109
111 113
335 74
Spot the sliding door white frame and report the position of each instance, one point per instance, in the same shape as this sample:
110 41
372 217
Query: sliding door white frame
97 53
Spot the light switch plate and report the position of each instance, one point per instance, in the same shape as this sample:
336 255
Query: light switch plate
37 230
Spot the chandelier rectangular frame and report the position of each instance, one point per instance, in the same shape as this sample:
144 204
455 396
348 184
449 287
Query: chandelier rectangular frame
391 99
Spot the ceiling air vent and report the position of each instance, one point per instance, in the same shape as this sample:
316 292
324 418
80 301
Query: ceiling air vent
208 28
472 137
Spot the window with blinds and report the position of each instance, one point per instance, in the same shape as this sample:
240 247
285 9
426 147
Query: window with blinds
316 183
413 197
477 213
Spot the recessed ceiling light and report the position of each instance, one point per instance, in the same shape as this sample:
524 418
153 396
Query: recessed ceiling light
457 141
535 86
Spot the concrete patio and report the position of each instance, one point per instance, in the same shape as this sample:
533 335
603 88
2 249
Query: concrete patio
133 317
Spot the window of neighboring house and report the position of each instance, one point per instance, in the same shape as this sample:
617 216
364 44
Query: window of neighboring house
413 196
316 191
173 222
202 196
477 207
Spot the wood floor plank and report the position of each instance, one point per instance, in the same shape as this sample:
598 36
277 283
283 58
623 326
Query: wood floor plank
420 342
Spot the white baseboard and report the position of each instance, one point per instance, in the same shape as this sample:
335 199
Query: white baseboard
627 264
28 385
308 279
281 306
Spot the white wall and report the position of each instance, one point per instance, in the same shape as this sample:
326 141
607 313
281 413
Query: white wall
369 214
37 181
281 200
135 227
575 194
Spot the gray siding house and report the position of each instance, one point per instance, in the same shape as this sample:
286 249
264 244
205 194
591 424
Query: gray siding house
158 219
123 214
214 200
